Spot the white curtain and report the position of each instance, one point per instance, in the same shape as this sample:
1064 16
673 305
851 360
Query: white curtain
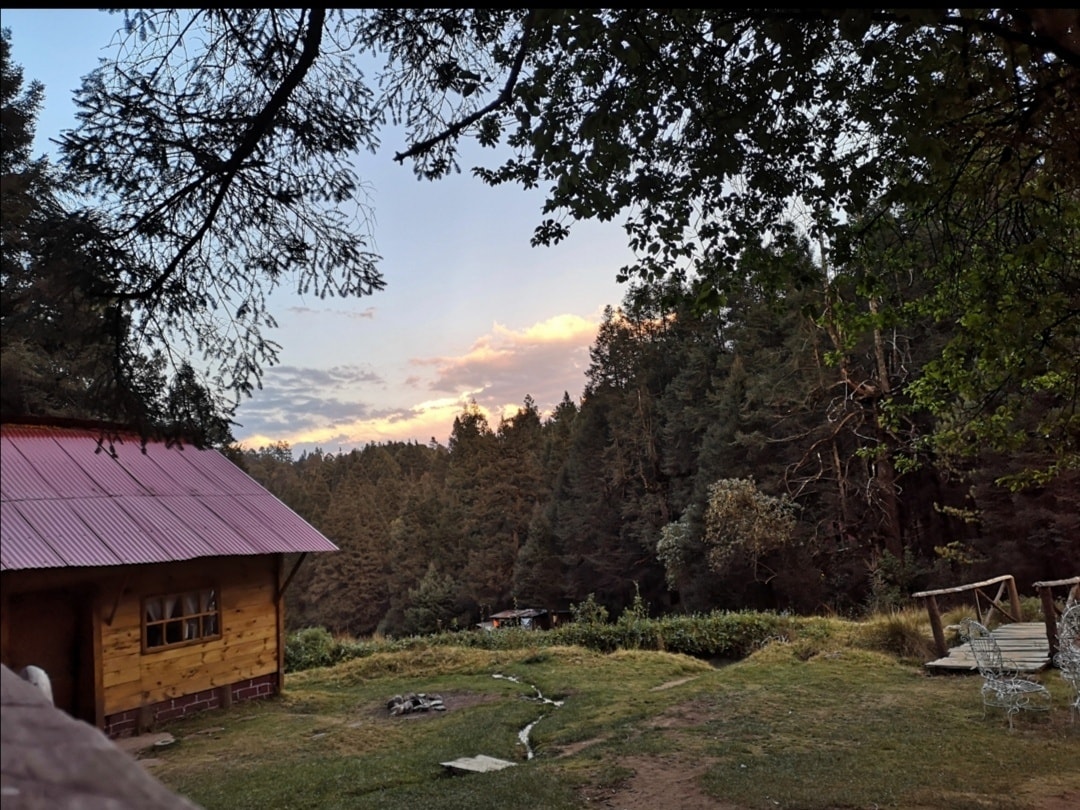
185 616
191 608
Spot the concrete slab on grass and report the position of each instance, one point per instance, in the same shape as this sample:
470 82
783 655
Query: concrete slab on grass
478 764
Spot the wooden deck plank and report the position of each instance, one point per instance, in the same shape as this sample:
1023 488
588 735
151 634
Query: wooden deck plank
1023 645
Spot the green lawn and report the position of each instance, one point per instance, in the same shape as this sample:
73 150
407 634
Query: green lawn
789 726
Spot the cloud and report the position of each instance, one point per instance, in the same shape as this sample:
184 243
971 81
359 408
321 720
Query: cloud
298 399
333 408
543 360
431 420
365 314
297 378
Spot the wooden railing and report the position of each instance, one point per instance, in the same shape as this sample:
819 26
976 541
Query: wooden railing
1050 610
1005 583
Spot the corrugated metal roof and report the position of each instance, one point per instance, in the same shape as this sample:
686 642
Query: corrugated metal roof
113 478
22 547
127 539
65 475
246 522
220 473
149 515
196 514
270 511
59 526
71 499
524 613
20 480
157 477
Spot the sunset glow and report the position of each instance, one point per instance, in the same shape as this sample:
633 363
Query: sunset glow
544 360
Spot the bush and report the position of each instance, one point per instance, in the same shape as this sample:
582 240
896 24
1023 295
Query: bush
712 635
315 647
309 648
720 634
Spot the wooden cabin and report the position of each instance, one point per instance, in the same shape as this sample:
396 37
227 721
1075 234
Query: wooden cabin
145 578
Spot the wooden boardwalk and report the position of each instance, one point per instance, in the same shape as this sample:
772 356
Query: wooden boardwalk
1023 645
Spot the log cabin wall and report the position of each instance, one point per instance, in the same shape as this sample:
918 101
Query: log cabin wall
133 686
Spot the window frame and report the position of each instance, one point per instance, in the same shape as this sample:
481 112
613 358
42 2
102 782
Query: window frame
206 614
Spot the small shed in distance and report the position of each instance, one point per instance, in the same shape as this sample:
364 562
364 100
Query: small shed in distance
146 578
529 618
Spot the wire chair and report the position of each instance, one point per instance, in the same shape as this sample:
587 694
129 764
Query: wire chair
1004 687
1068 654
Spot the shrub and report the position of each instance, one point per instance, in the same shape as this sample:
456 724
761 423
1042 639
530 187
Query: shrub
309 648
589 612
720 634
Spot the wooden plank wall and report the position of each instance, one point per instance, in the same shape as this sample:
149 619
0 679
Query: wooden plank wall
247 648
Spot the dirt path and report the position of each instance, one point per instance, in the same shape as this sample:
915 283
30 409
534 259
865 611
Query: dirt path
658 782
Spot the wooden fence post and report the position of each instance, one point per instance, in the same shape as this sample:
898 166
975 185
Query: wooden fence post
935 625
1046 593
1050 611
1014 600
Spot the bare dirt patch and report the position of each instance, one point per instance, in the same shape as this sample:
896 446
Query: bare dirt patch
657 782
670 782
1066 801
673 781
683 715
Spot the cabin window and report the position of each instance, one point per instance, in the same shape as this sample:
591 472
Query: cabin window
180 618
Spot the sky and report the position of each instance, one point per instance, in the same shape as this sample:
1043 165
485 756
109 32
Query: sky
471 312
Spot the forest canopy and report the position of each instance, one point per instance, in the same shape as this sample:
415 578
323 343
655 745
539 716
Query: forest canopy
929 155
855 302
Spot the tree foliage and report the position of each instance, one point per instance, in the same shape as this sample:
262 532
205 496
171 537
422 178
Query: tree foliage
740 520
69 346
222 142
857 281
221 147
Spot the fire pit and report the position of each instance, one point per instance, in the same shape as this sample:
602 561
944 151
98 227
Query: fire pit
413 702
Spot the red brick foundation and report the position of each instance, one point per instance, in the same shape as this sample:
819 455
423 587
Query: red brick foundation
134 721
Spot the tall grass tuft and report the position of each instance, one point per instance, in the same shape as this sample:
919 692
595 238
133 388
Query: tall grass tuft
904 634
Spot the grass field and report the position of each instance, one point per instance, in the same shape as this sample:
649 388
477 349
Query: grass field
811 723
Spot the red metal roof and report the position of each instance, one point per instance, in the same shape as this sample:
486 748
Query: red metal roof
78 497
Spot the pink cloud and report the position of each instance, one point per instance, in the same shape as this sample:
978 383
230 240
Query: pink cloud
543 360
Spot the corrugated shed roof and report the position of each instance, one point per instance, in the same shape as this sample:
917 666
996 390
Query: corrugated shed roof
71 499
524 613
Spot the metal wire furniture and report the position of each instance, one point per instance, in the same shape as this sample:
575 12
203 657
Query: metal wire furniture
1003 686
1068 654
